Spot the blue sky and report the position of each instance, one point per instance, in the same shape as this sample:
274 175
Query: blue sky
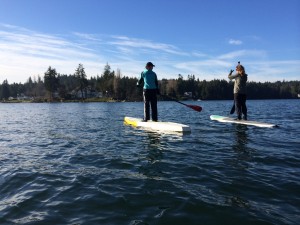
205 38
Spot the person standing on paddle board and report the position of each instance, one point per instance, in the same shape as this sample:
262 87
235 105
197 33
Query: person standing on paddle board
239 90
150 90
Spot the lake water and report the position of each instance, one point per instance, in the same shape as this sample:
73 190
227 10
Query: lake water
77 163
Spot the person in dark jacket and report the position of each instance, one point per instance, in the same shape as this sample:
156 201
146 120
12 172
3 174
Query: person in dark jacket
150 91
240 90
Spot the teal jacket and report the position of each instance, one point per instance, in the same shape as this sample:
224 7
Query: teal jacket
149 78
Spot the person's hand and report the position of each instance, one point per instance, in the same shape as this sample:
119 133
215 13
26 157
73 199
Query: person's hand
231 71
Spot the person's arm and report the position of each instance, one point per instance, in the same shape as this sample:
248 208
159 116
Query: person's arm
140 81
232 76
156 83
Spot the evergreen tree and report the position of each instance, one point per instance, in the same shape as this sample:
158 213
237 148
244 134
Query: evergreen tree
5 93
180 85
116 85
51 81
82 80
107 72
106 81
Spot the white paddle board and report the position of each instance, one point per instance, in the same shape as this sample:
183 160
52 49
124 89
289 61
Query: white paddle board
157 126
245 122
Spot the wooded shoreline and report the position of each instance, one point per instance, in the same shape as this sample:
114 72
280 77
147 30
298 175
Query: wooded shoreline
112 86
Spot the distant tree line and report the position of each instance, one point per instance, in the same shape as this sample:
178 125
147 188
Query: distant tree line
112 85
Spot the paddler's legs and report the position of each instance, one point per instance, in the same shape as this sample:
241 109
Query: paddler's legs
238 106
244 107
154 105
146 105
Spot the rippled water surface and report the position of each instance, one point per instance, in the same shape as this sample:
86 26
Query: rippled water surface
77 163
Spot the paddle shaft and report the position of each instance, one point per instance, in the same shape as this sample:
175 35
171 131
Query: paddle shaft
233 108
180 102
194 107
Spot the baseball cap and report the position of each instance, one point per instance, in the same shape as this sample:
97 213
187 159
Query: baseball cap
149 64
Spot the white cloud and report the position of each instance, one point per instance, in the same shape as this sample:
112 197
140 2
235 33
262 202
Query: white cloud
235 42
274 70
245 53
145 44
199 54
27 53
90 37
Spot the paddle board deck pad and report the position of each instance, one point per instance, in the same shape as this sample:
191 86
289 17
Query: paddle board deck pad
157 126
245 122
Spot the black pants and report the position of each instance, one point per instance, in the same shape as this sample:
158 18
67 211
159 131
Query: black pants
150 98
240 105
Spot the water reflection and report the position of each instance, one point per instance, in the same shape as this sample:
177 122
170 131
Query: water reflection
241 138
239 161
241 146
154 148
152 156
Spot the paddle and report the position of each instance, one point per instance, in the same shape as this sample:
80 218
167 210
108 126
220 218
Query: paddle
233 108
194 107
